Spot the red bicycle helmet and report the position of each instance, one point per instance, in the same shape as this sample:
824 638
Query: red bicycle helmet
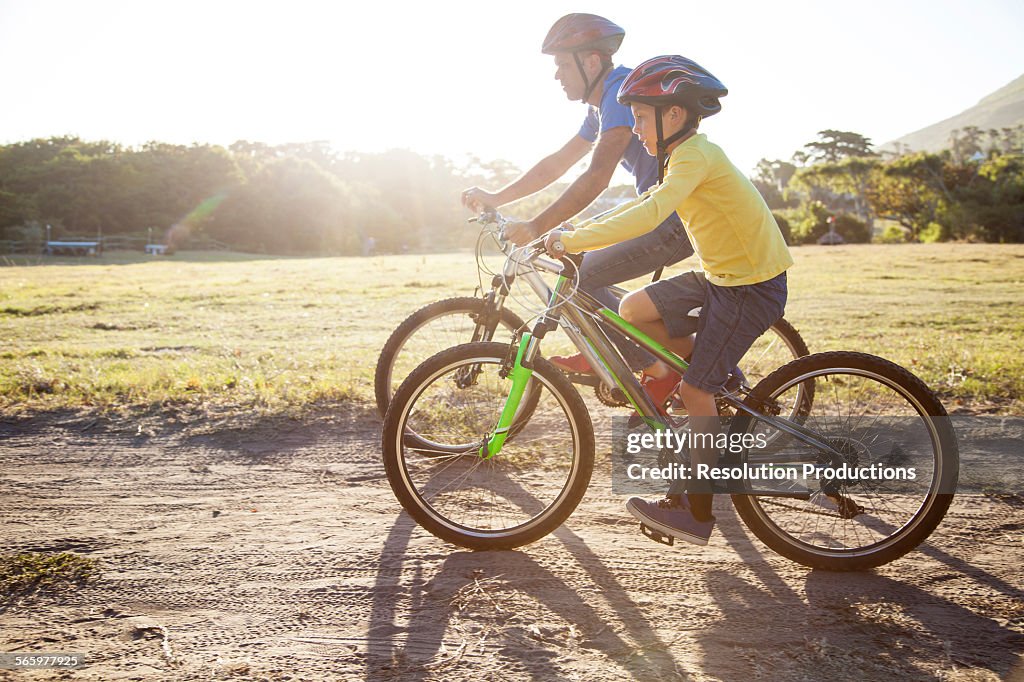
673 80
577 33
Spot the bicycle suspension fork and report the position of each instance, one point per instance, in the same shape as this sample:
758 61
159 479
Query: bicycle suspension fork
521 371
490 315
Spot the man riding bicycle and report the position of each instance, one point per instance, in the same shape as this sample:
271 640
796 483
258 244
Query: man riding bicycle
583 45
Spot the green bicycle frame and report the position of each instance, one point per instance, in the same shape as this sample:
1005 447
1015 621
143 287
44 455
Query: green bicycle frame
596 341
599 344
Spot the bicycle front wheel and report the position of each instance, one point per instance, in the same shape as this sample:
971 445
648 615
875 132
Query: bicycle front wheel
885 485
507 500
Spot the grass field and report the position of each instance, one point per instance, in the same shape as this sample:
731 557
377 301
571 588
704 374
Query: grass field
284 334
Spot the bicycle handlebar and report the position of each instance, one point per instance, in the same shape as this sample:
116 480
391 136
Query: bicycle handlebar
491 219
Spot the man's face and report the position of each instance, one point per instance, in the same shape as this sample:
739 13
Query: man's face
568 74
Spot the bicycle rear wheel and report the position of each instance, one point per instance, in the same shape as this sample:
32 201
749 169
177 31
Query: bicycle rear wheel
780 345
510 499
432 329
878 417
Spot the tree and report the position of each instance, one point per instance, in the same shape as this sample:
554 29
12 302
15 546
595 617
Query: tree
290 206
965 143
771 178
835 145
842 186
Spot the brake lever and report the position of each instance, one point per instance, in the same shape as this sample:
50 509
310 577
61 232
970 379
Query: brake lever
488 216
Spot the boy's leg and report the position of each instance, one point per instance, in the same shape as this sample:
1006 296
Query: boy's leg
639 309
731 319
666 245
648 309
704 427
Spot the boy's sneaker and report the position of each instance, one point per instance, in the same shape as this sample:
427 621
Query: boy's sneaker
669 517
573 364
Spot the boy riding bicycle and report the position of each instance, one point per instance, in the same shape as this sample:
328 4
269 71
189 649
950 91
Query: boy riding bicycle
583 45
742 289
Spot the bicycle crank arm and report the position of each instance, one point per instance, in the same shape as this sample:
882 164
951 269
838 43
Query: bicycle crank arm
591 380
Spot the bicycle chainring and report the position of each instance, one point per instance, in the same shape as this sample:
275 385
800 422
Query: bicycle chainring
611 397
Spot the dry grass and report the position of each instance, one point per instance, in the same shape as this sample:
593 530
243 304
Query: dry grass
275 334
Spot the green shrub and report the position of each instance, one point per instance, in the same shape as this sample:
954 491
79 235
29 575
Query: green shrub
934 232
893 234
854 231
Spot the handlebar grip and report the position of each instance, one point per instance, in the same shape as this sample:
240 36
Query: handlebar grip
558 248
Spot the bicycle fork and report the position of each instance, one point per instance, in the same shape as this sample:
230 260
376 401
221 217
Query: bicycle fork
521 372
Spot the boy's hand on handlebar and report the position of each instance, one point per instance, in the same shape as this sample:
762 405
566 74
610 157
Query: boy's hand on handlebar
478 200
553 243
520 232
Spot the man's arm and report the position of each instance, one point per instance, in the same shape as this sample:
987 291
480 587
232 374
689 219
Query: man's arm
594 180
545 172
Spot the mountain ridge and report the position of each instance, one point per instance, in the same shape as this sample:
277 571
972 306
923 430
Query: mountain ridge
1003 108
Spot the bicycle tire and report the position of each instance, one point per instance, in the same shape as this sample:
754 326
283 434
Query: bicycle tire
429 502
467 306
756 511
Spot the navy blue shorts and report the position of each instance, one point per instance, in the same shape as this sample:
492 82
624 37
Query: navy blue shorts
727 320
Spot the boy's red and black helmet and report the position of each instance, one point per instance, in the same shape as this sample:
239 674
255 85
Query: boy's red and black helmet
582 32
671 79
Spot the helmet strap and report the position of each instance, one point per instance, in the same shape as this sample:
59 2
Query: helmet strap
661 143
588 85
691 123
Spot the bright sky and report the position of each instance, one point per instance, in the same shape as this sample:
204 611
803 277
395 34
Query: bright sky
466 77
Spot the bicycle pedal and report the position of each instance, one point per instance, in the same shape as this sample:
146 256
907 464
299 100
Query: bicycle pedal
657 536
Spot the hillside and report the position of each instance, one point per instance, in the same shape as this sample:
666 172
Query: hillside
1004 108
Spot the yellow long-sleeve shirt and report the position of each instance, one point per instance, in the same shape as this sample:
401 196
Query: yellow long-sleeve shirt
731 228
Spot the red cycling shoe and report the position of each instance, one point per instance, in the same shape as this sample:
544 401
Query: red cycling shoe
659 390
573 364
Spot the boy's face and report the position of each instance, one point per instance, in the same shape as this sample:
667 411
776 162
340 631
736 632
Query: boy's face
645 127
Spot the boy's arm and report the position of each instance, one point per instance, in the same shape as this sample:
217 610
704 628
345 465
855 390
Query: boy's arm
542 174
644 213
614 211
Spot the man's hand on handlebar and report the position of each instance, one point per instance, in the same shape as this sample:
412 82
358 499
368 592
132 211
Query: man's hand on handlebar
479 200
520 232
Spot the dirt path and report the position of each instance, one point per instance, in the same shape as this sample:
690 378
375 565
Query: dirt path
277 551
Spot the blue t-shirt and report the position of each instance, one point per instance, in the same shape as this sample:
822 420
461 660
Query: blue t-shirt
641 165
